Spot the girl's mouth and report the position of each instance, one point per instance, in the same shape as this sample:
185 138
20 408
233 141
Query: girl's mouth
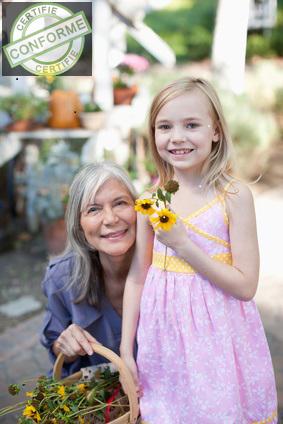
180 152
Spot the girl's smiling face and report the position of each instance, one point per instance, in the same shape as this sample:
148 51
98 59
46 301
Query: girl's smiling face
109 220
185 130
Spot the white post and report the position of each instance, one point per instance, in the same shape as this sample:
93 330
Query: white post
101 71
229 44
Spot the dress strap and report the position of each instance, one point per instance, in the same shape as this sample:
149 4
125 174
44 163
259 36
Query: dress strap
222 197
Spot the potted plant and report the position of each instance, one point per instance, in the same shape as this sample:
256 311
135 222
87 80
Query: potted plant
124 87
92 116
26 112
47 183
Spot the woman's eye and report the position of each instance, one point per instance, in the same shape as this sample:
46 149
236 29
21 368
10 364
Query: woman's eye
93 209
121 203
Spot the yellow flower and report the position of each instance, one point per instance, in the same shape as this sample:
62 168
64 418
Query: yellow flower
29 394
66 408
81 387
61 390
165 219
31 412
50 78
144 206
81 420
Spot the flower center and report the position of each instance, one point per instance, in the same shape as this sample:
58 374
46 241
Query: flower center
146 205
164 218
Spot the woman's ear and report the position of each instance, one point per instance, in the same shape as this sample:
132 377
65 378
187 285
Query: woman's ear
216 133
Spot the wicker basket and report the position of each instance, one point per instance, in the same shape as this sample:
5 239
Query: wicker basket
129 417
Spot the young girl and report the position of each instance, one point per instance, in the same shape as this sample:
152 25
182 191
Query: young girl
202 353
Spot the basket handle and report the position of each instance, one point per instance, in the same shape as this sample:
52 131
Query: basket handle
126 375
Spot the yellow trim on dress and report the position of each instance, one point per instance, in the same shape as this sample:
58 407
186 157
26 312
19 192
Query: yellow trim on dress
203 208
175 264
207 235
267 420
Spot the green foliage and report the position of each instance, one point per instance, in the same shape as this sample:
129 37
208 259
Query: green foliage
187 27
20 106
250 128
91 107
259 46
51 401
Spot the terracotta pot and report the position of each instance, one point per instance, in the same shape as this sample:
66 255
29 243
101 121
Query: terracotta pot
21 125
124 96
65 108
55 236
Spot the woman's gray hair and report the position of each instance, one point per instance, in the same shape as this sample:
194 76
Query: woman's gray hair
87 277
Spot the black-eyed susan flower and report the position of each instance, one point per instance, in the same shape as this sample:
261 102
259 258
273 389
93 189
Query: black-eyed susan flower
31 412
165 219
144 206
61 390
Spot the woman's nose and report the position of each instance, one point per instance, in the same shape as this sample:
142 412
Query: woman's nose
109 216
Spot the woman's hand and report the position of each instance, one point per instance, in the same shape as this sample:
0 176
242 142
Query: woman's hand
74 341
175 238
132 367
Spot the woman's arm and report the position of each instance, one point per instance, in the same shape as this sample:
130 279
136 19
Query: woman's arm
134 285
59 334
241 278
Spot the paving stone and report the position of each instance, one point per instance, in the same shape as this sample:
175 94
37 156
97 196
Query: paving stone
21 306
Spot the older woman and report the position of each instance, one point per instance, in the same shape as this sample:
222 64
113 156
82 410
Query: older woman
85 285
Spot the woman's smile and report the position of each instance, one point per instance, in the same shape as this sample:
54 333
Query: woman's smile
115 235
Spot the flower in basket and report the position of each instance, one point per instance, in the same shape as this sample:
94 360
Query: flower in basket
96 401
156 206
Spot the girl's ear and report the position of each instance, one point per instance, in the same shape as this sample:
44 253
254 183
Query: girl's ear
216 133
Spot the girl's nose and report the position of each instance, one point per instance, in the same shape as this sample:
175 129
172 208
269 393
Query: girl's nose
109 216
177 136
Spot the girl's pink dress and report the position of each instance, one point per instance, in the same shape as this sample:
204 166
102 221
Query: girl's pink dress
203 357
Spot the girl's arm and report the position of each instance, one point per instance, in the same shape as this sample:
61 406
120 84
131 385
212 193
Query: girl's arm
134 286
241 278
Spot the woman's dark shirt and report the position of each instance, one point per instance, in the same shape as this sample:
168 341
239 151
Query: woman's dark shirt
103 323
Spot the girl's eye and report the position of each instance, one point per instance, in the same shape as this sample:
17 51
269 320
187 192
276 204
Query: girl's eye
192 125
163 127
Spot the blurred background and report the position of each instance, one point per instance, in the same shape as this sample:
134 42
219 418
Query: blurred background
51 125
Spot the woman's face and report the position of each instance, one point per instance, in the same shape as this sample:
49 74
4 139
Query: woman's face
109 222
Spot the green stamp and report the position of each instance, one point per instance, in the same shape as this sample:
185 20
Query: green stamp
47 39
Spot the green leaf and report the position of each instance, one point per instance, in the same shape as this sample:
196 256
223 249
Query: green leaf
160 195
168 196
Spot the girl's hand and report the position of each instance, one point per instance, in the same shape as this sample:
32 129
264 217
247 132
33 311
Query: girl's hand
175 238
132 367
74 341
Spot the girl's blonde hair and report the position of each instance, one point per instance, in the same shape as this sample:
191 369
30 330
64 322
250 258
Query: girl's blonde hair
219 162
